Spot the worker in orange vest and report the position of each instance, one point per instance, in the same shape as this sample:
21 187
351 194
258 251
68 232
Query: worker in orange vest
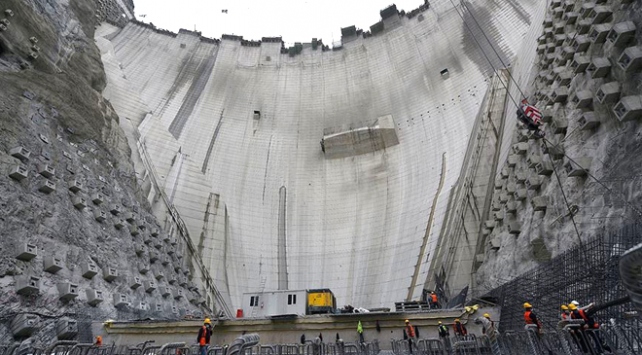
459 328
530 317
565 315
410 334
99 341
589 323
434 301
204 335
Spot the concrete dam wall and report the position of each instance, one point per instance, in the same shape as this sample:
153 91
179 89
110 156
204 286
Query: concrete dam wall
230 130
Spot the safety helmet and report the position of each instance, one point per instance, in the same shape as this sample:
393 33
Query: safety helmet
457 320
575 303
439 322
407 321
486 315
207 321
564 307
572 307
527 305
433 292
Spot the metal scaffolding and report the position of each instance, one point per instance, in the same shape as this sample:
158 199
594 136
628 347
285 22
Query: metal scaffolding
587 274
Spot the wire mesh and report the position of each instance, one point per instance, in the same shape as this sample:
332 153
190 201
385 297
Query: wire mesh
586 274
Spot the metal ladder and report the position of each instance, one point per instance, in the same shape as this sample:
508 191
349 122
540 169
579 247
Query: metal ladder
255 309
494 344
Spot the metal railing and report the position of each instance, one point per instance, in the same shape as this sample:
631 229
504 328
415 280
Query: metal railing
571 338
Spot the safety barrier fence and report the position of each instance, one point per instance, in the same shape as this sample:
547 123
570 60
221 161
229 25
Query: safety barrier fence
570 339
246 345
309 348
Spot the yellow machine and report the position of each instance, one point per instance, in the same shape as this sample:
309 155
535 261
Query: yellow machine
321 301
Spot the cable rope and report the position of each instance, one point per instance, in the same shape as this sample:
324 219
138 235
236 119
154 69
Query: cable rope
622 197
483 52
568 205
546 141
510 76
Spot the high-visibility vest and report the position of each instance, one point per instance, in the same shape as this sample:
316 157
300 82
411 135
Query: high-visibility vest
434 298
459 329
590 322
564 316
527 317
410 331
202 340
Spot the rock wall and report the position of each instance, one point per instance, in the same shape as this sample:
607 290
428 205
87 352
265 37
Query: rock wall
77 232
587 81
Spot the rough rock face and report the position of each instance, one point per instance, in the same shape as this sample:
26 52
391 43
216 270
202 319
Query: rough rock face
78 175
583 129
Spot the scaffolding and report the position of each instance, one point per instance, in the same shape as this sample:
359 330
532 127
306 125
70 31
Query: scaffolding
586 273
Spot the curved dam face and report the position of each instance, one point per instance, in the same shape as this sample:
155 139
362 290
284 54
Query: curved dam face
230 133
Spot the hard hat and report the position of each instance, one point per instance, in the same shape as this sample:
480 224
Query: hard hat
407 321
486 315
457 320
207 321
439 322
433 292
564 307
575 303
572 307
527 305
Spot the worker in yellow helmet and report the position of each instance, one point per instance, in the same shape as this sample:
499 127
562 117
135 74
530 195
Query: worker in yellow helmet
204 335
444 334
565 315
409 332
530 317
459 328
488 326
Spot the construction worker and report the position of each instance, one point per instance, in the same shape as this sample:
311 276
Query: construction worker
99 340
444 335
530 317
589 323
443 330
585 308
565 315
360 332
488 326
578 313
530 116
434 301
409 332
459 328
204 335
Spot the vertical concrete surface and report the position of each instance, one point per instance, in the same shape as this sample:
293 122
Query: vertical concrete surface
358 224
